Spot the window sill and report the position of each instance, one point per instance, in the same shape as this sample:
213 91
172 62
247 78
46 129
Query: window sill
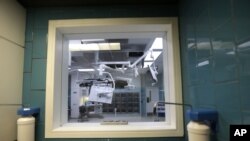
132 130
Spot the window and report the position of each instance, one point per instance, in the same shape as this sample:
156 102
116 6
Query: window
105 78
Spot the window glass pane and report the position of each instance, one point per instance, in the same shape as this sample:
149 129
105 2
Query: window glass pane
116 81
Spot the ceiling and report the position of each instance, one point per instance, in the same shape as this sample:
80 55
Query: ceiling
54 3
131 50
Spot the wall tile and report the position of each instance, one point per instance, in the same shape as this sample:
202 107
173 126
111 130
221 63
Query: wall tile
244 69
226 118
26 89
223 130
39 132
164 139
29 26
27 56
244 56
242 20
229 94
221 139
191 47
41 17
219 22
244 93
193 96
203 30
89 140
139 139
204 71
40 43
246 117
75 13
220 12
192 76
231 116
35 101
121 12
225 63
185 95
38 76
183 51
206 95
59 13
203 48
228 106
188 12
199 5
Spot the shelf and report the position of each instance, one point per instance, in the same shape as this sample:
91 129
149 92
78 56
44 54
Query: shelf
125 102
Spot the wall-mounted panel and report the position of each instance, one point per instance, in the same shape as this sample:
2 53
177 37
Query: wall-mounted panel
12 25
8 128
11 76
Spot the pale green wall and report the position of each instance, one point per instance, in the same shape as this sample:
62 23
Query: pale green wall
12 28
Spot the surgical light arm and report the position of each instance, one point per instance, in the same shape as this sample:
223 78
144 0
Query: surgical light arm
104 64
138 60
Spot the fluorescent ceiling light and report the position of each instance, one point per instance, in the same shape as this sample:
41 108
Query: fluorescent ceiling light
95 47
91 46
122 68
92 40
157 44
109 46
85 70
152 56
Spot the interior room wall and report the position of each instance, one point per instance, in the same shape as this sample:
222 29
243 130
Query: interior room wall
217 33
12 29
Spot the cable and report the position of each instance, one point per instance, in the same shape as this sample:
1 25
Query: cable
180 104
